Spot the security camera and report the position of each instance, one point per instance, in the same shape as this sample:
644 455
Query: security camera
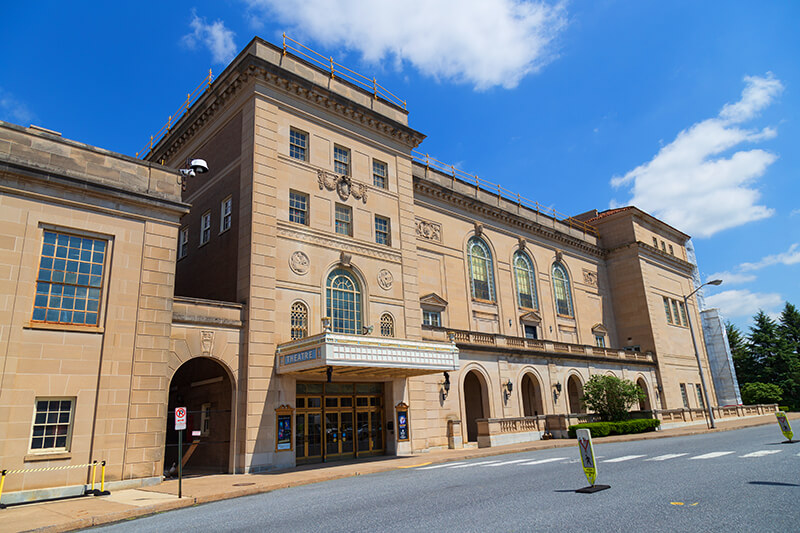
198 165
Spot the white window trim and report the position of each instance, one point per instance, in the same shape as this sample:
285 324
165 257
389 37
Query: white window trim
226 212
67 447
183 243
205 224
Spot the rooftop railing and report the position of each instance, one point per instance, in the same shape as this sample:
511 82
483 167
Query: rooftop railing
500 191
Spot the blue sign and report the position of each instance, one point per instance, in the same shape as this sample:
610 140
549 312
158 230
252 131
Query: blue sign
299 357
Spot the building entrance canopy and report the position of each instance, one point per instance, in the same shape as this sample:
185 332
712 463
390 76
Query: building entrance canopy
357 355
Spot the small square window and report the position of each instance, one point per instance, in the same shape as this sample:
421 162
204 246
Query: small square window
205 228
380 174
226 214
52 424
341 160
383 231
298 207
344 220
431 318
530 331
298 144
183 243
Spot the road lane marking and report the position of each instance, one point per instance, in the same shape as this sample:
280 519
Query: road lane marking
440 466
711 455
542 461
415 466
467 465
666 457
507 462
760 453
623 458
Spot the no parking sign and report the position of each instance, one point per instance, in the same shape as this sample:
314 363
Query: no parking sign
180 418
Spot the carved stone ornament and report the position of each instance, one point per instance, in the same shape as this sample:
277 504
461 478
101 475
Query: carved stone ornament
344 258
522 243
385 279
343 185
207 341
559 256
478 229
428 230
590 278
299 263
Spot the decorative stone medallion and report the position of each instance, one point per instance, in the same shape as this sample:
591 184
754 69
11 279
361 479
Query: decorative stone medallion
207 341
299 263
428 230
590 278
385 279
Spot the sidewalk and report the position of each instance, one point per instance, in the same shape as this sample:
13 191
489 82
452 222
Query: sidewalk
71 514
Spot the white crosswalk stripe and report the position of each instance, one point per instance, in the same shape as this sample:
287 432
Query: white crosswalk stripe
666 457
443 465
711 455
467 465
507 462
761 453
542 461
623 458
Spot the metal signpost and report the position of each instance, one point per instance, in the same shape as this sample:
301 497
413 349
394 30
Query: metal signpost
786 428
588 461
180 426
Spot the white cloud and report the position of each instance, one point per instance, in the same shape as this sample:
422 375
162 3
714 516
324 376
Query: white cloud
13 110
691 185
743 303
215 36
479 42
794 212
731 278
789 257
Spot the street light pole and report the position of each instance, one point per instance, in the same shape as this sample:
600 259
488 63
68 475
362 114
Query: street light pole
696 352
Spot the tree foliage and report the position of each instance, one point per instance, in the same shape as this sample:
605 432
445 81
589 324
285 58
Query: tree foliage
753 393
611 397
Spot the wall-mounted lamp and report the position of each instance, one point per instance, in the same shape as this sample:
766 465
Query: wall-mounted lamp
508 386
556 391
329 373
445 385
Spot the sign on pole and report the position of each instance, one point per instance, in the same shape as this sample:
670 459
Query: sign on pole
180 418
783 422
588 461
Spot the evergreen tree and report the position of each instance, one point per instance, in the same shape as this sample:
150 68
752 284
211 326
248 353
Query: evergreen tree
789 327
747 370
771 353
788 367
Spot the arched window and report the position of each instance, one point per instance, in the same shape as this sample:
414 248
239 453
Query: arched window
561 290
480 270
299 320
344 302
526 287
387 325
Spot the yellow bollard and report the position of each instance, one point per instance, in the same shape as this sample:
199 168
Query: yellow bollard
103 477
94 473
2 482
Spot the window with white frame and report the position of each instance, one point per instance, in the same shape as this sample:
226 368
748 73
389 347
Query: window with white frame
341 160
183 243
531 331
599 340
431 318
205 228
52 424
383 230
226 214
344 220
298 144
380 174
298 207
344 302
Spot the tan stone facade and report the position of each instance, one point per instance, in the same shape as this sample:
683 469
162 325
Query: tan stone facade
324 290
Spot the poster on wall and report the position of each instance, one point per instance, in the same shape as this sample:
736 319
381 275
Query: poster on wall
402 421
283 427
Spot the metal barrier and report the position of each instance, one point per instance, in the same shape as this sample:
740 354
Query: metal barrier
92 491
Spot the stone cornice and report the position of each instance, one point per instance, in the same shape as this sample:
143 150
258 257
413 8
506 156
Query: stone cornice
251 68
424 187
644 249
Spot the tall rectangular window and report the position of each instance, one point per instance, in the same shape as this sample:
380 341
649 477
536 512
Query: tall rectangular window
675 314
663 247
667 310
341 160
671 250
52 424
344 220
683 314
655 242
298 207
700 401
298 144
684 397
600 341
431 318
383 230
183 243
226 214
205 228
380 174
70 280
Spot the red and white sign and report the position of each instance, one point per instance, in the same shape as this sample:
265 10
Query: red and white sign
180 418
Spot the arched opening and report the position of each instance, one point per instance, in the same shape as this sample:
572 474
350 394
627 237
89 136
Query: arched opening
644 405
474 394
203 387
531 396
574 393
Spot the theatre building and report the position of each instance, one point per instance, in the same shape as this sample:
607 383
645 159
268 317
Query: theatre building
323 292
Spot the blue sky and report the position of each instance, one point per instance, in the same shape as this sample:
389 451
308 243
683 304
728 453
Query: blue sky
687 109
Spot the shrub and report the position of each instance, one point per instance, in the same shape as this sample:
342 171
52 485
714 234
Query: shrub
611 397
784 408
622 427
756 392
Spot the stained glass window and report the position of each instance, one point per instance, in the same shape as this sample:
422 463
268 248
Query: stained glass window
562 290
526 287
480 270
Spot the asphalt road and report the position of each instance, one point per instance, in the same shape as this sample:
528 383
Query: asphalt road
744 480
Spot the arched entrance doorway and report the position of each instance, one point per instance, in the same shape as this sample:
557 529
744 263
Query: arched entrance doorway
203 386
574 393
474 394
644 405
531 396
